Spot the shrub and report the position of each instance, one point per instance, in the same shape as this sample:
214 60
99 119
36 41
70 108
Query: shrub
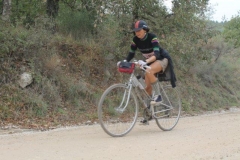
78 24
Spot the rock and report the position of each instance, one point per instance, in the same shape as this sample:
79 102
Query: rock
25 79
88 123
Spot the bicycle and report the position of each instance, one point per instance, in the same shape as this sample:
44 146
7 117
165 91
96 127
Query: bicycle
118 106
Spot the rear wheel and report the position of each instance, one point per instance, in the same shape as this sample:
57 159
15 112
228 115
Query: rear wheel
117 114
168 113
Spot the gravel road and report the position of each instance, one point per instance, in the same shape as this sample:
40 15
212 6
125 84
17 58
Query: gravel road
207 137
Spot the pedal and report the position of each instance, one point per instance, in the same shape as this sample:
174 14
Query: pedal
144 122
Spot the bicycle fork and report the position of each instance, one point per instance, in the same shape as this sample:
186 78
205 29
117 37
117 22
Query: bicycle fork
125 99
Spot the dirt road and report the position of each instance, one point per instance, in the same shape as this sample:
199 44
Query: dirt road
206 137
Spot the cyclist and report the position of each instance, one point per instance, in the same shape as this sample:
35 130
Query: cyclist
154 56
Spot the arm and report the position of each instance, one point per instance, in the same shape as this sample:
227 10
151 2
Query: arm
130 56
131 53
156 50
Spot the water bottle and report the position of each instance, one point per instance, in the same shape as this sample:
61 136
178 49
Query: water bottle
135 81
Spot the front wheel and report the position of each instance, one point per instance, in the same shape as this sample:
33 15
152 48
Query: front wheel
118 110
168 113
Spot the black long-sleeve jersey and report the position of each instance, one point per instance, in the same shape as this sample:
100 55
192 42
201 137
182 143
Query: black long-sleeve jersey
148 46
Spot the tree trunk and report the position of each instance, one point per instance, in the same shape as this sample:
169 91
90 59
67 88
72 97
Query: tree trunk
135 11
6 11
52 8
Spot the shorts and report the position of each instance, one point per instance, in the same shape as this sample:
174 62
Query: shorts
163 63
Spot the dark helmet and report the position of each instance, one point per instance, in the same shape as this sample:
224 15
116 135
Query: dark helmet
140 25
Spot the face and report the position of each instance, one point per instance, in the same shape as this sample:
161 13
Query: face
140 34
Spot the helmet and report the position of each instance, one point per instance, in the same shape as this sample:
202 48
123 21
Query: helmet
140 25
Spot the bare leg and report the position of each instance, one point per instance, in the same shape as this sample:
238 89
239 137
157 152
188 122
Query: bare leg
150 77
148 86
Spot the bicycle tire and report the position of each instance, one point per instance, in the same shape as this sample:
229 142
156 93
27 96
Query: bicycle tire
170 117
113 122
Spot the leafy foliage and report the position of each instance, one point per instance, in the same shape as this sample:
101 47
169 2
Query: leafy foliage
232 31
184 31
26 11
78 24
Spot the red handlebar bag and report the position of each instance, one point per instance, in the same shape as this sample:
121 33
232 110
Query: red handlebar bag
126 67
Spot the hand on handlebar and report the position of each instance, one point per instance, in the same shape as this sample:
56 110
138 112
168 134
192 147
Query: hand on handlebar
118 63
142 63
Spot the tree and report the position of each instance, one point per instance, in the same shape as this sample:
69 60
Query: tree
6 9
185 31
1 6
232 31
25 12
147 10
52 8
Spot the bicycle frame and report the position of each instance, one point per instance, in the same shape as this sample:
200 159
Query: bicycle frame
130 85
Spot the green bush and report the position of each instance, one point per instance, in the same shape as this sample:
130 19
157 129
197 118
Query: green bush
231 31
78 24
25 12
115 38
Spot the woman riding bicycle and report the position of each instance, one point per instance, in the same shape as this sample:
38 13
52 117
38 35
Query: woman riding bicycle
156 57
